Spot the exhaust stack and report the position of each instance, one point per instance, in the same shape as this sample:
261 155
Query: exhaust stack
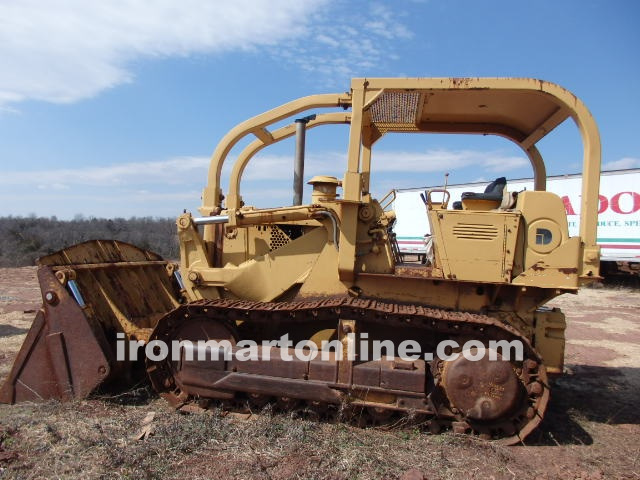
298 167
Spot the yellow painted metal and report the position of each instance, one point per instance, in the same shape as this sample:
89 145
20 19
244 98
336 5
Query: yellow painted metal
211 197
520 109
550 325
503 259
324 335
233 199
475 245
542 211
539 169
523 110
346 334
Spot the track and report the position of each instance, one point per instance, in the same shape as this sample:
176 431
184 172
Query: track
502 401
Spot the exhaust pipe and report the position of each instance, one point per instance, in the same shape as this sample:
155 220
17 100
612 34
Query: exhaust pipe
298 167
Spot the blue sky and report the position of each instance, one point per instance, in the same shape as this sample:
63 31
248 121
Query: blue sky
113 108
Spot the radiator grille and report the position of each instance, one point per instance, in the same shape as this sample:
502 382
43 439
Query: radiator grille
396 110
277 238
474 231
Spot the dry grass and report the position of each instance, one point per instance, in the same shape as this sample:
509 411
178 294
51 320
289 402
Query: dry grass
591 429
96 439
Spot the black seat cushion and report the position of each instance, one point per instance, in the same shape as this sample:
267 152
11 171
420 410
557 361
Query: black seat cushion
493 191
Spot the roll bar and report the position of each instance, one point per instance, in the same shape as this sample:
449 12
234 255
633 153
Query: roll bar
522 110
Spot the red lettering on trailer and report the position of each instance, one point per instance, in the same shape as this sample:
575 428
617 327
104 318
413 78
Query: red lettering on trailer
603 204
615 202
567 205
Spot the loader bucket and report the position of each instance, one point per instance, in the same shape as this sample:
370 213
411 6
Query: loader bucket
91 292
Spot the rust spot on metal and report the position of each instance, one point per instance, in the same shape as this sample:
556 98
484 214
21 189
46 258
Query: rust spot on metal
499 398
568 271
70 349
414 271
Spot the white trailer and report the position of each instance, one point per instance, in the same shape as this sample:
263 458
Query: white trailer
618 213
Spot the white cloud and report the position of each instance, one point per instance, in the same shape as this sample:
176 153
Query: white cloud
385 23
391 169
66 50
337 48
164 187
53 186
273 167
440 160
623 163
169 172
193 169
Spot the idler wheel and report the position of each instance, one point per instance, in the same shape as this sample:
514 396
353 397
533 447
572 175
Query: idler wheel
482 390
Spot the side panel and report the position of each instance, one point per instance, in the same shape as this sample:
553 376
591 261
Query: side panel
476 246
618 219
549 340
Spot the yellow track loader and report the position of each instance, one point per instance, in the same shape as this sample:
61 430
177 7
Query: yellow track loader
328 273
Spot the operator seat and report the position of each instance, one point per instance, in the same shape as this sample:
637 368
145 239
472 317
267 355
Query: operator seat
490 199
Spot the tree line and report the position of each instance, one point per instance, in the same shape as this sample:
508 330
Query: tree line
24 239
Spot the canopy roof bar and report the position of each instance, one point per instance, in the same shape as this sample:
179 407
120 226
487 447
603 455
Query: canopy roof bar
520 109
523 110
233 199
556 118
212 195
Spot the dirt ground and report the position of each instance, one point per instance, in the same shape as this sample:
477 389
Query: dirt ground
591 429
